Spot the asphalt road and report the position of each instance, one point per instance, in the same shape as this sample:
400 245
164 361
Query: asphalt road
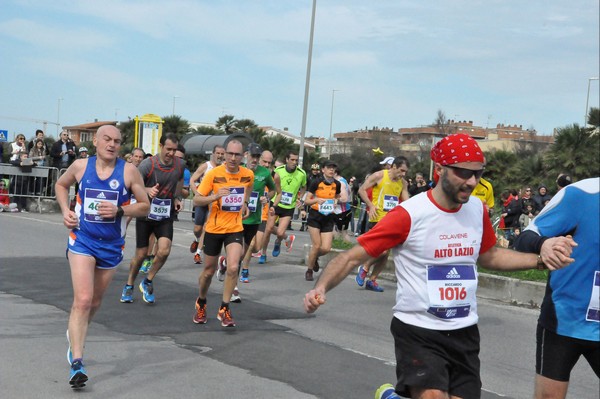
276 351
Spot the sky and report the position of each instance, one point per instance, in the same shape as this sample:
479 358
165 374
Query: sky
392 63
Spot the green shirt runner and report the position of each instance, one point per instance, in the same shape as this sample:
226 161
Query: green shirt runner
291 183
262 179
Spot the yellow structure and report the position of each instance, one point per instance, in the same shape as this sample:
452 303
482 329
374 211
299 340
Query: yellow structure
148 130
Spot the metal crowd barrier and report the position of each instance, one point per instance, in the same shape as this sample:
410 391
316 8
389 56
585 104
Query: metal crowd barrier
33 182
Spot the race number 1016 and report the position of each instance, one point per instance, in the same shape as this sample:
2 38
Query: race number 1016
452 293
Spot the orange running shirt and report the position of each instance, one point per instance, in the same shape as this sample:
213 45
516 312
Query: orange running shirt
226 212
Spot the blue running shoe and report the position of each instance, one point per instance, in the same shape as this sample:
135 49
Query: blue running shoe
78 376
276 249
386 391
146 265
262 260
69 352
127 294
373 286
361 275
245 277
147 291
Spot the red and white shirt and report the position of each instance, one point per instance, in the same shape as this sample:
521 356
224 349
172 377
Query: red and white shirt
435 251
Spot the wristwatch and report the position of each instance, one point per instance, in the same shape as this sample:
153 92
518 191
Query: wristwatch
120 211
540 264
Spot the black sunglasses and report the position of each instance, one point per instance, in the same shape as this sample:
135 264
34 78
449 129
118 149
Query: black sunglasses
466 174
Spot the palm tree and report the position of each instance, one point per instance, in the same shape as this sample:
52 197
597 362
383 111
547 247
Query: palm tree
245 124
575 151
175 124
226 123
208 131
278 145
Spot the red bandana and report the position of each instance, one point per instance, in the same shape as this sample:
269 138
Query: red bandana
457 148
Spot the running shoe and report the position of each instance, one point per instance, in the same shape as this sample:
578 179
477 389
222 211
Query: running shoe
245 277
194 246
146 265
200 315
386 391
289 243
235 296
225 318
308 276
221 268
69 351
373 286
361 275
276 249
198 259
78 376
257 254
127 294
317 267
262 260
147 291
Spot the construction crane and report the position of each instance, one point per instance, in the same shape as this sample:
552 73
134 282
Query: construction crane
44 122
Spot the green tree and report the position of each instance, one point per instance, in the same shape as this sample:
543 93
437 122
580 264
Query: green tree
278 145
594 117
208 131
575 151
244 124
227 124
175 124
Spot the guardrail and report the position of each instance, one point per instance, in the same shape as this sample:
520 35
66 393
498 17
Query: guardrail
33 182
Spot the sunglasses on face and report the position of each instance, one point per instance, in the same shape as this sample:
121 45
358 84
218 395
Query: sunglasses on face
466 174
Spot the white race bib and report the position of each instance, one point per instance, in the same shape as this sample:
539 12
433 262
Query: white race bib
286 198
160 209
593 310
234 200
451 290
326 207
389 202
93 198
253 201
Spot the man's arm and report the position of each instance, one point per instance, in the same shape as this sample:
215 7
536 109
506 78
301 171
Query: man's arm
404 194
197 175
362 191
556 255
62 187
335 272
142 204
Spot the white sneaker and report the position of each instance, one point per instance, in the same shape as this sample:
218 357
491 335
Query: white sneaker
221 268
235 296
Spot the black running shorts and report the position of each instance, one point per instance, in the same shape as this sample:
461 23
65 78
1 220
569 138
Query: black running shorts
144 228
431 359
213 243
325 223
556 355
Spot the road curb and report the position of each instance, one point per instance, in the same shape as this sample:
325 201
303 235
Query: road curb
499 288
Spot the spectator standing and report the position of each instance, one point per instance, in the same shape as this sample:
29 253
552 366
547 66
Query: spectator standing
527 199
63 152
38 154
511 210
83 153
418 186
17 147
526 217
541 198
485 192
39 134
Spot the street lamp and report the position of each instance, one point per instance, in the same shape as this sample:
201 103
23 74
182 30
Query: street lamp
174 97
307 85
331 122
585 120
58 114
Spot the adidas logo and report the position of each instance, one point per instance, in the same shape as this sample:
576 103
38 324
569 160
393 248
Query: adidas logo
101 195
233 191
453 273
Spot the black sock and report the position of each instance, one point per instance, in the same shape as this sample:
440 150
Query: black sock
201 301
225 305
148 281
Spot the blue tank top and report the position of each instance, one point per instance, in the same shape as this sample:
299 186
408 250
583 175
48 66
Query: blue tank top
92 191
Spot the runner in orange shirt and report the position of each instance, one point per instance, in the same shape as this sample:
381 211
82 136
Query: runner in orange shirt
226 189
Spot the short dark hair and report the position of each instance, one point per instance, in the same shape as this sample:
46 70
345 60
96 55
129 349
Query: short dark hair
181 148
169 136
39 131
217 146
399 161
290 153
